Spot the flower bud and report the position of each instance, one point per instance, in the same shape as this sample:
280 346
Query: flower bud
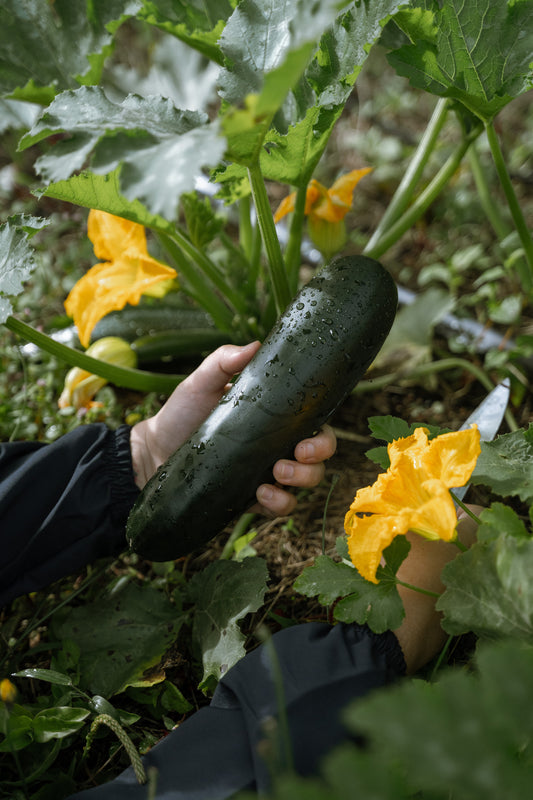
81 385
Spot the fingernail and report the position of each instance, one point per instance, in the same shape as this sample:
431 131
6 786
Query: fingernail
307 450
285 470
264 494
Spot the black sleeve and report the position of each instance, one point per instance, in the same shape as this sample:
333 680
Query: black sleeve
62 505
218 752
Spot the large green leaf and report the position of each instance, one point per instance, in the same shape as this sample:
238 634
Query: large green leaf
489 589
266 46
47 47
103 193
312 104
120 636
377 605
162 150
506 465
17 258
466 736
223 594
479 53
199 24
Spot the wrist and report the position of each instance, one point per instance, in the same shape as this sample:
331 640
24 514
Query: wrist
141 458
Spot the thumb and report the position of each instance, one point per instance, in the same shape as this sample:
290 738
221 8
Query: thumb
215 372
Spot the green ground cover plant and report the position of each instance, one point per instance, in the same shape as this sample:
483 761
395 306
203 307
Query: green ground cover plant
274 109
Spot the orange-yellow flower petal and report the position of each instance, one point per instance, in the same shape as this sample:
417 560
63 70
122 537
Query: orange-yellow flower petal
335 204
411 495
330 204
111 236
109 286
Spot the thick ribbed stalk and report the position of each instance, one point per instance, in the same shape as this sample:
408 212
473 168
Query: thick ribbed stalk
276 265
294 246
404 193
525 270
423 201
121 376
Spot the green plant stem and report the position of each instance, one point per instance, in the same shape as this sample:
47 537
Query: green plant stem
201 289
427 369
486 198
525 270
441 657
246 232
334 481
241 526
467 511
276 265
294 245
424 200
286 762
121 376
417 589
404 192
210 269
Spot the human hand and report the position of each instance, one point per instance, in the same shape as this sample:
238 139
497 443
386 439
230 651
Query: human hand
155 439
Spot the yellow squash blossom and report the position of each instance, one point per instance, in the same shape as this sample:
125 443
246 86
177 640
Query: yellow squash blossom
326 209
412 495
81 386
127 272
8 691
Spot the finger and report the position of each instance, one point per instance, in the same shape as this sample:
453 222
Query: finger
275 501
318 448
215 371
292 473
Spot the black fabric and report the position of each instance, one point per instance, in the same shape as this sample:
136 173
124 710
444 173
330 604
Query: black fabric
62 505
219 750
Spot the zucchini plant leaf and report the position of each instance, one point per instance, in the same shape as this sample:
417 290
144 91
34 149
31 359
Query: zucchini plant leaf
266 48
17 258
450 46
223 594
303 123
488 588
506 465
47 47
388 428
102 192
121 637
377 605
162 150
197 24
18 115
467 731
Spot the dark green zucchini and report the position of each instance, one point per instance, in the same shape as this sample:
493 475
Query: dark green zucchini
175 343
132 322
311 360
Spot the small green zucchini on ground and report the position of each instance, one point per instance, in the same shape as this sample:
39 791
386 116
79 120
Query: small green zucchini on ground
317 351
132 322
176 343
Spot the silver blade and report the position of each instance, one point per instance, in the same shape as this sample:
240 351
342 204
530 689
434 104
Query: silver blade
488 417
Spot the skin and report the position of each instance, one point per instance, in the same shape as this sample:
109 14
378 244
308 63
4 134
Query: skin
155 439
421 636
